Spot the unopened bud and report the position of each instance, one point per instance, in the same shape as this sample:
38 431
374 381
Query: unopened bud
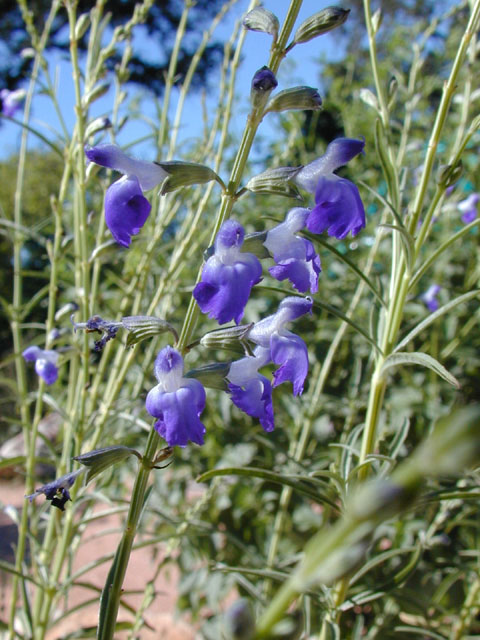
263 20
143 327
448 175
100 459
305 98
95 93
82 25
320 23
276 181
254 243
99 124
263 83
230 338
211 376
184 174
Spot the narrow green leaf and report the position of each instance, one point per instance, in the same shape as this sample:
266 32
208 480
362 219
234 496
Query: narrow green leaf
350 265
271 476
443 247
434 316
422 359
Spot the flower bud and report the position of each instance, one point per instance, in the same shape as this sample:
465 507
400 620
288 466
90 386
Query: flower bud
94 94
100 459
449 174
184 174
254 243
263 20
99 124
230 338
211 376
276 181
143 327
305 98
82 25
263 83
320 23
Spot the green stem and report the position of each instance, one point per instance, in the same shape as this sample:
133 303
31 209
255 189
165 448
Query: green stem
29 430
112 590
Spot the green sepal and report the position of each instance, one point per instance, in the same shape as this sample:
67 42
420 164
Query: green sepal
276 181
143 327
211 376
184 174
263 20
253 243
320 23
304 98
100 459
230 338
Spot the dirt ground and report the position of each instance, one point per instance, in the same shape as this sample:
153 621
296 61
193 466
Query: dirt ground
163 625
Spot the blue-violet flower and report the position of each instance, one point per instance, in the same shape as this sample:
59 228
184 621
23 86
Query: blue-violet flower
45 362
295 256
228 276
176 401
250 391
339 208
429 298
286 349
11 101
126 208
468 208
58 490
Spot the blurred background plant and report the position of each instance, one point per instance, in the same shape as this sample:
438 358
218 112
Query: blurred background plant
243 528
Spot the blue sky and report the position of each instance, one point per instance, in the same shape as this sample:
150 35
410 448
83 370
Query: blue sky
301 68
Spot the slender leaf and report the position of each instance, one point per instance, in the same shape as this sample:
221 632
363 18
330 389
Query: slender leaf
351 265
422 359
271 476
433 316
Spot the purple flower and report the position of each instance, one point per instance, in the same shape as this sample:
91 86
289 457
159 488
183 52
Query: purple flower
45 362
11 101
285 348
264 80
429 298
58 490
126 208
250 391
176 401
468 208
228 276
339 208
295 256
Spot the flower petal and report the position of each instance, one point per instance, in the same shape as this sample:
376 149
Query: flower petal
46 370
339 208
126 209
290 352
338 153
224 290
179 415
303 271
255 399
148 174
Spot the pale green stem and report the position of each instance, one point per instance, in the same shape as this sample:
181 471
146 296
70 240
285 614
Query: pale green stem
402 278
29 430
